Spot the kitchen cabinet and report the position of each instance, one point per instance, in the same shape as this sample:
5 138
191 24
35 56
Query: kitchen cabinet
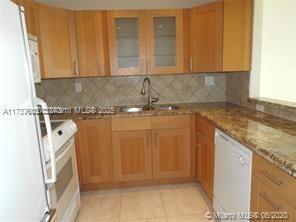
165 41
205 155
91 33
206 37
221 36
94 151
58 42
132 156
127 42
272 190
171 153
270 203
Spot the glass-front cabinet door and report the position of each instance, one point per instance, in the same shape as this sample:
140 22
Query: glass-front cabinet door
165 41
127 42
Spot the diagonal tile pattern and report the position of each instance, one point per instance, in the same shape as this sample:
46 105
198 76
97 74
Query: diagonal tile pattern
118 91
167 203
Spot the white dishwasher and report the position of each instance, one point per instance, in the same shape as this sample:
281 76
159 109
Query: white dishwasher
232 179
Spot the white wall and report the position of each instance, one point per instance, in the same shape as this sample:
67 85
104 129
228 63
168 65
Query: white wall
273 72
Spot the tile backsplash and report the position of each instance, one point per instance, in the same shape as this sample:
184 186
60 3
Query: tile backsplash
118 91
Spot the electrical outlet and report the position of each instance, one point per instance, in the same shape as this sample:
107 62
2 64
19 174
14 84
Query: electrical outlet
259 107
78 87
209 80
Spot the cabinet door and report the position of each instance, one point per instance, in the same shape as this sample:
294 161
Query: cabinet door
267 201
91 43
206 22
165 41
237 35
206 164
94 151
132 155
171 153
127 42
58 43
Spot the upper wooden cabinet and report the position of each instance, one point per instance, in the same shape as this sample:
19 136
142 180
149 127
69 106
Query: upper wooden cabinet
94 151
220 36
58 42
127 42
146 42
165 41
237 35
206 37
91 43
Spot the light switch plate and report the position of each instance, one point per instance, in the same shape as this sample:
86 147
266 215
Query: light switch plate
209 80
78 87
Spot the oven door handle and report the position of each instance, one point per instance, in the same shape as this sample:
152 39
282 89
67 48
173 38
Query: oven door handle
44 108
68 147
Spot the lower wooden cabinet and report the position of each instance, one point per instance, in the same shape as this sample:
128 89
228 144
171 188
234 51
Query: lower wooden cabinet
270 204
206 164
132 156
171 153
205 157
94 151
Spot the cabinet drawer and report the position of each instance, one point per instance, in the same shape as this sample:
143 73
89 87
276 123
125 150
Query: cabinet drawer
133 123
265 200
276 179
170 122
205 127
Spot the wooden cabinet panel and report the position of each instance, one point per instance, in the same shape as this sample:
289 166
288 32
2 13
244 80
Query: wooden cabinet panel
132 155
167 122
58 42
133 123
275 178
165 41
171 153
206 38
205 127
206 164
266 200
237 35
127 42
92 43
94 151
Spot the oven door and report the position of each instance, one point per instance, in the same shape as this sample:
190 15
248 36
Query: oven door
67 184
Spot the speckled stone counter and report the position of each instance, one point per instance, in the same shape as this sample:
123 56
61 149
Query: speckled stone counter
270 137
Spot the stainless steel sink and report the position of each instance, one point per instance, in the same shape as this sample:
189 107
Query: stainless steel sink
136 109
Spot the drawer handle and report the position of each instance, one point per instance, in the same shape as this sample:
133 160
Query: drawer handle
269 201
268 175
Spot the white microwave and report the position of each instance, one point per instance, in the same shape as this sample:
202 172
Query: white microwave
33 45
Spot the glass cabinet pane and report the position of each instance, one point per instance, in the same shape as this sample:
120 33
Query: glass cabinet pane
127 42
164 29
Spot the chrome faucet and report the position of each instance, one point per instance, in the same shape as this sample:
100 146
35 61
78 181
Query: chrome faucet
151 99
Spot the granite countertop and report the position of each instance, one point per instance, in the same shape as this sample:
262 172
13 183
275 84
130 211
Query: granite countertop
272 138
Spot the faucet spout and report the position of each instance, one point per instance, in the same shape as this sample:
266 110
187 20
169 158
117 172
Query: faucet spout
151 100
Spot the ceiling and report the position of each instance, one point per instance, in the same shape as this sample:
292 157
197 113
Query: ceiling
122 4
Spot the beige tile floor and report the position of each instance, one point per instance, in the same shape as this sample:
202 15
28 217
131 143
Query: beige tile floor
166 203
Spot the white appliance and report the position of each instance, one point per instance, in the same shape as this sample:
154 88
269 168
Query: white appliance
232 179
34 52
24 178
64 193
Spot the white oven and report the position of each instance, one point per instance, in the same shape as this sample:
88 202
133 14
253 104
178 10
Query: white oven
64 193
